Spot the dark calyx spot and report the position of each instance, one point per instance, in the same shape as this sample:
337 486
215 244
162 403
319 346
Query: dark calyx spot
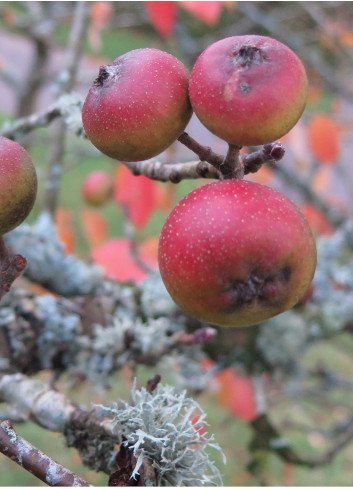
245 87
248 56
254 288
286 273
102 76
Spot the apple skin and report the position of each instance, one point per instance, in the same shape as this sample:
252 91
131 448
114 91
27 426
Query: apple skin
137 106
235 253
97 188
248 90
18 184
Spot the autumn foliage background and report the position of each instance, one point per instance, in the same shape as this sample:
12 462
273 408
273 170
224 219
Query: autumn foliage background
122 234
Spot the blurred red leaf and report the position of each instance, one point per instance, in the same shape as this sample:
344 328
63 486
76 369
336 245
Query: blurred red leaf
264 176
208 12
119 264
162 16
64 225
296 141
324 139
166 195
322 179
317 220
148 251
346 38
94 226
137 194
9 16
236 393
114 256
202 430
101 14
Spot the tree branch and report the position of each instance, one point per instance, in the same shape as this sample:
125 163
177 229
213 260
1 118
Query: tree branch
63 107
34 460
210 166
266 437
74 52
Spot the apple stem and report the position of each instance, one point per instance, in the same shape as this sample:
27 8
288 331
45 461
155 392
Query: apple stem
232 166
205 153
229 166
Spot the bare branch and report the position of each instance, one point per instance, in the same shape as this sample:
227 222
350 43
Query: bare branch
209 167
268 438
174 172
205 153
61 108
34 460
74 52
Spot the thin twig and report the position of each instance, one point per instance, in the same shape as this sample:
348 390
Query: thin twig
34 460
152 383
35 121
74 52
205 153
268 438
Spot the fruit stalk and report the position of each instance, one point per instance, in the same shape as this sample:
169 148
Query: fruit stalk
231 166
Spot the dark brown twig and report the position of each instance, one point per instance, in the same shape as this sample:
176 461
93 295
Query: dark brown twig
232 166
269 153
34 460
205 153
152 383
11 266
267 437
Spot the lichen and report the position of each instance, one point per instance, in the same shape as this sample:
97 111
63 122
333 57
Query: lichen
48 263
282 339
155 300
169 429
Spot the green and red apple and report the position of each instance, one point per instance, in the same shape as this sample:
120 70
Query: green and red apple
137 106
248 90
18 184
235 253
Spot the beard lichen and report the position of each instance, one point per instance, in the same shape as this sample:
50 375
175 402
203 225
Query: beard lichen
169 429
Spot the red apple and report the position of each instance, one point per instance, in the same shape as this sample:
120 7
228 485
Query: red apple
248 90
18 184
97 188
138 106
236 253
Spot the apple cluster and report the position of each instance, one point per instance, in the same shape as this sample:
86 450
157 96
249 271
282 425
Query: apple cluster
233 252
18 184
